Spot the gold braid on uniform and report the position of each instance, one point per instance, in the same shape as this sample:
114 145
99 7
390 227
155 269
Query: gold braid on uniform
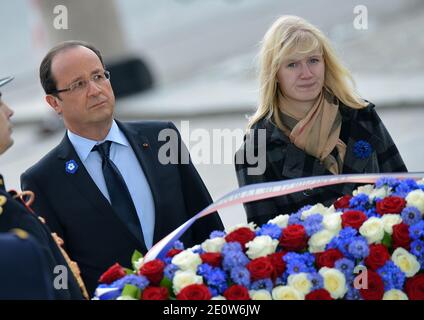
72 264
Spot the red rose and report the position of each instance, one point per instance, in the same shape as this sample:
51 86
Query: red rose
173 252
353 218
211 258
377 257
375 290
112 274
261 268
390 205
414 287
278 262
401 236
153 270
328 258
236 292
294 238
195 292
320 294
241 235
343 202
155 293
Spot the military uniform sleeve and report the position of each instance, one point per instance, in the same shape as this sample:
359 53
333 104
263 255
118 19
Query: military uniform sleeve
41 204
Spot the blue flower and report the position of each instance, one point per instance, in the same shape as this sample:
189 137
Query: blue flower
71 166
234 259
170 270
352 293
405 187
138 281
295 218
316 280
178 245
265 284
313 224
370 213
411 215
359 202
271 230
215 277
386 181
362 149
343 240
240 276
417 249
229 247
203 269
392 276
297 263
416 231
346 266
217 234
358 248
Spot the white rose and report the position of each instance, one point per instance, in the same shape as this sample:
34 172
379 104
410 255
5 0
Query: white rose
390 220
395 294
366 189
406 262
252 226
317 209
416 199
334 282
260 295
183 279
380 193
300 282
372 230
261 246
286 293
219 298
187 260
213 245
280 220
332 222
319 240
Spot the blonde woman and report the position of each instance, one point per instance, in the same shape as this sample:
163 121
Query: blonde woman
313 120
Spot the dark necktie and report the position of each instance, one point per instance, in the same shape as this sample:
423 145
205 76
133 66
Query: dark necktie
120 197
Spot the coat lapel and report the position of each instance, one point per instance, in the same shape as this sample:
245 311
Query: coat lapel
85 185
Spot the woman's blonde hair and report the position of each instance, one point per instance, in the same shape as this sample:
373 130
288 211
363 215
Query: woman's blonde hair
289 37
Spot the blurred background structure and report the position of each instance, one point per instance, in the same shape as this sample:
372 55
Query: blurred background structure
192 60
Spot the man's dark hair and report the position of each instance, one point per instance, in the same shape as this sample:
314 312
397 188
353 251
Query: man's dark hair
46 77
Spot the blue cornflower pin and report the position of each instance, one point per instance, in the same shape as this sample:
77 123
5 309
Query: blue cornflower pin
71 166
362 149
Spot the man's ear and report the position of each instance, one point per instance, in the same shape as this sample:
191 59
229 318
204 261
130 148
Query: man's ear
52 101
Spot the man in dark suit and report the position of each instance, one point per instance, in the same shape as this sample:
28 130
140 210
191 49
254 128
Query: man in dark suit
15 215
105 188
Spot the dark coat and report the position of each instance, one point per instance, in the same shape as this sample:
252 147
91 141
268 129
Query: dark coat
24 271
286 161
94 235
16 216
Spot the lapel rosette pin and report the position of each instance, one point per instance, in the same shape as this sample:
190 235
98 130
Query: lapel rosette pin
71 166
362 149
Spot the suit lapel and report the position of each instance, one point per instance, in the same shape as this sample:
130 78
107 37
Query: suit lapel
85 185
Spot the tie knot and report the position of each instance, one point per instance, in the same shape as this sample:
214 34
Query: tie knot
103 148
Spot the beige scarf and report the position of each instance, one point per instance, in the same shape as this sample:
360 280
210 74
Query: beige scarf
318 132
